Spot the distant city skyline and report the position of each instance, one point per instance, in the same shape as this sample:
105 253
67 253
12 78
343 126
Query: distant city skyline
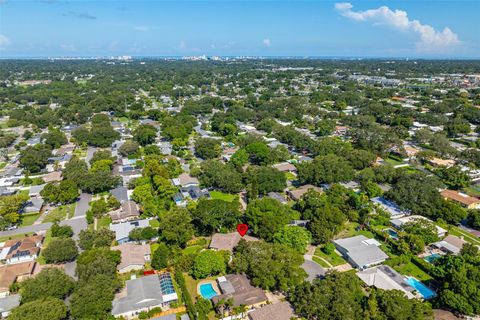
368 29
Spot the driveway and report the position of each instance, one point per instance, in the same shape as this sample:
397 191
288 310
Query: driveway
313 269
89 156
82 205
77 223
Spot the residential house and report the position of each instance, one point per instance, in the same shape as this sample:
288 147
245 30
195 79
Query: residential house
133 257
285 167
277 196
392 208
21 250
122 230
277 311
297 194
450 244
228 241
441 162
144 294
120 193
35 190
463 199
398 223
360 251
12 273
33 205
385 278
127 211
238 288
185 180
52 177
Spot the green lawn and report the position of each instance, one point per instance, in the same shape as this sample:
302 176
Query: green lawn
393 162
472 191
320 262
290 176
223 196
193 249
153 247
104 222
59 213
15 236
333 258
410 269
350 231
28 220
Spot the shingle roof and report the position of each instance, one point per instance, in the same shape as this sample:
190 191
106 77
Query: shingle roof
228 241
123 229
277 311
245 293
10 272
132 254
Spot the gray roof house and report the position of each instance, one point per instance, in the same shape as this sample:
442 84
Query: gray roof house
360 251
35 190
384 277
33 205
144 294
123 229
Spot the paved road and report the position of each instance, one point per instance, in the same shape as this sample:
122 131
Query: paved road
82 205
28 229
77 223
313 269
90 152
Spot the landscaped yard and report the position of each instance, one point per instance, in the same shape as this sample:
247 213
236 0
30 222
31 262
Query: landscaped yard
46 241
320 262
60 213
222 196
333 258
28 220
393 162
351 231
410 269
193 249
290 176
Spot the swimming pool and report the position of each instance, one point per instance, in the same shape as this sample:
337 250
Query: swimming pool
392 233
432 257
425 291
207 291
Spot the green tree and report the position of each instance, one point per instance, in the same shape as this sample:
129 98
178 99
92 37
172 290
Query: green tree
208 263
267 216
146 233
454 177
294 237
42 309
213 215
160 256
54 138
50 282
325 169
207 148
176 227
266 179
59 231
270 266
35 158
60 250
89 239
145 134
129 147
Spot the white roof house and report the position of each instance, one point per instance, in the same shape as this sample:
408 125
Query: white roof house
398 223
360 251
384 277
122 230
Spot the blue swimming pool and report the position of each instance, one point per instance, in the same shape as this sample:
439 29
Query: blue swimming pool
425 291
207 291
432 257
392 233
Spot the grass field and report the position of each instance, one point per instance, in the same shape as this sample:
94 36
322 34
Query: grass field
410 269
223 196
393 162
350 231
193 249
15 236
320 262
59 213
48 239
28 220
333 258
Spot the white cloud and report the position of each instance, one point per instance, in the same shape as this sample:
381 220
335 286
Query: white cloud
4 41
267 42
141 28
430 39
68 47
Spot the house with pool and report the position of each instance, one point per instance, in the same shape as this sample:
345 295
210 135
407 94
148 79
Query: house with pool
384 277
233 286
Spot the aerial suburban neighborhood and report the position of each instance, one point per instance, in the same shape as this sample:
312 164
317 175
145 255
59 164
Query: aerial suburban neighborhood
239 160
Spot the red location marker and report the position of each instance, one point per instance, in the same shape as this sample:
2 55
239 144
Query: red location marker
242 228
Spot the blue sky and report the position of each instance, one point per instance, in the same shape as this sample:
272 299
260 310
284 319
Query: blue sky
403 28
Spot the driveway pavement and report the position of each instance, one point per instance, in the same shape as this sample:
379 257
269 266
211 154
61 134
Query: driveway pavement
313 269
82 205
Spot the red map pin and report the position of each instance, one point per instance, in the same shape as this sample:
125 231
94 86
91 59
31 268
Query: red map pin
242 228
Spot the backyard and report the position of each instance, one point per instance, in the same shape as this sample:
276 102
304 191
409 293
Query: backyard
333 258
223 196
410 269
